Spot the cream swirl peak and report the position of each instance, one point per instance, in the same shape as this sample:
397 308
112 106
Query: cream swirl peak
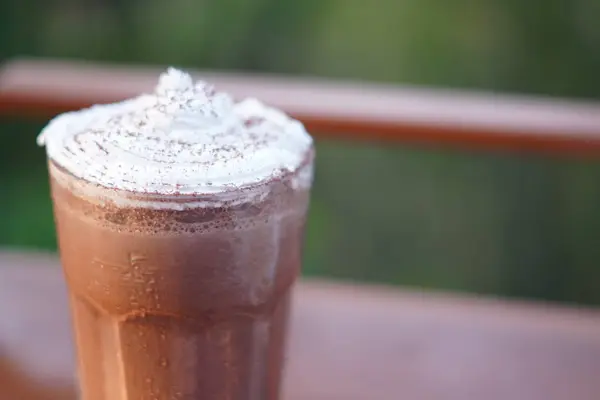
185 138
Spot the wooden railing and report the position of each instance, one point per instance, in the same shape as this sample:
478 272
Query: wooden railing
42 88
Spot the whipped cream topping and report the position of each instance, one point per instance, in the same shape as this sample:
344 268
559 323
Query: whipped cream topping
185 138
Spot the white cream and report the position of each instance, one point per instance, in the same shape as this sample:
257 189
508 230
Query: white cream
185 138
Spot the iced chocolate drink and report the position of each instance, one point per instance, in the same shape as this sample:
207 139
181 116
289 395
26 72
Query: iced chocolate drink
180 217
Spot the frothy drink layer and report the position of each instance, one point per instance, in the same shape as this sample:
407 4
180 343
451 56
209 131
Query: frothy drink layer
183 139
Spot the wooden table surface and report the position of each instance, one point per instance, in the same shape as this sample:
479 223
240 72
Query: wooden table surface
348 343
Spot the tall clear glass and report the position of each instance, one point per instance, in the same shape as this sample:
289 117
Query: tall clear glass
187 302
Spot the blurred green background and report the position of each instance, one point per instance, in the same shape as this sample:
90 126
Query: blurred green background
518 225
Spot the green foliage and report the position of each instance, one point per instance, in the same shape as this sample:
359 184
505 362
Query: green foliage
25 209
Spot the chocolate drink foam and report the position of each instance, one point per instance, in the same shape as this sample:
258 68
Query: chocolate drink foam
185 138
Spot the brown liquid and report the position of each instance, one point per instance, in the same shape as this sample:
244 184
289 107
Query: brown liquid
189 305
